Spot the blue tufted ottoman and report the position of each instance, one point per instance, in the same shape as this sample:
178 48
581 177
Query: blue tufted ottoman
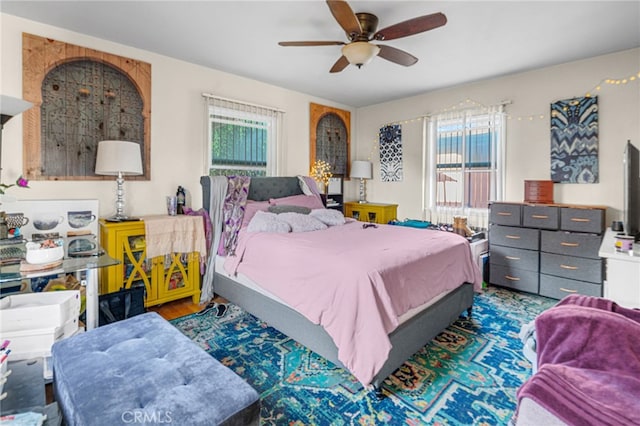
144 371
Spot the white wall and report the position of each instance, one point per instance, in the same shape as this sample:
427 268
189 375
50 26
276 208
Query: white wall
177 125
528 141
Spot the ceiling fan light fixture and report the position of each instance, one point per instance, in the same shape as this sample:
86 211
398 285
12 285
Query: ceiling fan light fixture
359 53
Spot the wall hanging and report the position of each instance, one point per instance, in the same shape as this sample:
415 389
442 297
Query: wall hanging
81 96
574 140
329 133
391 153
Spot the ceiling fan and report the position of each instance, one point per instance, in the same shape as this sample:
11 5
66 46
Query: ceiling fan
361 29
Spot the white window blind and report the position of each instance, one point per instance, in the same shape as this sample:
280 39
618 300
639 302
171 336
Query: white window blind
241 138
465 167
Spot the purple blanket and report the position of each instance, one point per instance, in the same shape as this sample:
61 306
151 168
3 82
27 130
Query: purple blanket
589 358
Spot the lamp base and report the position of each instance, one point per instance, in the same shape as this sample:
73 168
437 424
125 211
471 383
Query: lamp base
363 192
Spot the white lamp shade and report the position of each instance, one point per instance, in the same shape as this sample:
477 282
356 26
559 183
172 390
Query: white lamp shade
360 52
362 169
116 157
10 106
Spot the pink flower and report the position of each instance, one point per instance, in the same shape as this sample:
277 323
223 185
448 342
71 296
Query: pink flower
20 182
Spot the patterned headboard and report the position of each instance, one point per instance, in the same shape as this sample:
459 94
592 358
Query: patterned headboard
260 189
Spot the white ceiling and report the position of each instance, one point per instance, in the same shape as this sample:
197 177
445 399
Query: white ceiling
481 39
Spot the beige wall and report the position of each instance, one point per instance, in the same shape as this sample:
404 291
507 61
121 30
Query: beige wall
528 142
177 125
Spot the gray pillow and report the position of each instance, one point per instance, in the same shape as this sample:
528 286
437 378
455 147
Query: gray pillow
284 208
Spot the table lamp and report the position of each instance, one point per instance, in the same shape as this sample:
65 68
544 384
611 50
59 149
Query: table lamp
119 158
362 170
10 107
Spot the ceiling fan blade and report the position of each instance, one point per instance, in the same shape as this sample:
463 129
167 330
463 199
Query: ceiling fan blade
345 16
340 64
411 27
397 56
310 43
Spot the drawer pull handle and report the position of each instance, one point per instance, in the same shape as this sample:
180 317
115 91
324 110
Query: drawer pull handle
578 219
513 237
540 216
512 258
572 268
504 214
569 244
510 278
566 290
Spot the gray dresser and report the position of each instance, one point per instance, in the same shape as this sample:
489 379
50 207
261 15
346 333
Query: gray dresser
551 250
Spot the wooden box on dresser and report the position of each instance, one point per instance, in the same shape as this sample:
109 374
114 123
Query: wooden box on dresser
165 278
550 249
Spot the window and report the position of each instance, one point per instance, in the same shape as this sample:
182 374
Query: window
465 167
242 138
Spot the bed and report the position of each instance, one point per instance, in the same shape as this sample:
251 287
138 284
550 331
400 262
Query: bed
412 332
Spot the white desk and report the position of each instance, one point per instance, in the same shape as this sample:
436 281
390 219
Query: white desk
10 274
622 283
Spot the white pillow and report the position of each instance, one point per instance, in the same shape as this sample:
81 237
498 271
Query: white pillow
304 187
301 222
267 222
329 217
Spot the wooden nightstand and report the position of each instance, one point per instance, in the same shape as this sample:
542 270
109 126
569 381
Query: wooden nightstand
371 212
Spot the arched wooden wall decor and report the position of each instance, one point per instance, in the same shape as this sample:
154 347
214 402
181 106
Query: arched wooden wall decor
81 96
330 136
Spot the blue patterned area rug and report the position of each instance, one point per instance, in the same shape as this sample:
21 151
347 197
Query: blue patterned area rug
468 375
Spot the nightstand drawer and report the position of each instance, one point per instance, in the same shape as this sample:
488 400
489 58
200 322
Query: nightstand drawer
510 236
582 220
570 244
515 258
505 214
544 217
558 288
575 268
517 279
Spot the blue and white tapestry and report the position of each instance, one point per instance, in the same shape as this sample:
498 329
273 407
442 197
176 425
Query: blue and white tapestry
574 140
391 153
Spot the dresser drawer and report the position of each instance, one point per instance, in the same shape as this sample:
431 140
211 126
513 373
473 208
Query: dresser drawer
582 220
514 258
570 244
517 279
505 214
558 288
575 268
510 236
544 217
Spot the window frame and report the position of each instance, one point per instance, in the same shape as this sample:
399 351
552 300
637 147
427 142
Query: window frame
229 115
495 120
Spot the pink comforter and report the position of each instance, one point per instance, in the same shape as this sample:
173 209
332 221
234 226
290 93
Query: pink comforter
356 282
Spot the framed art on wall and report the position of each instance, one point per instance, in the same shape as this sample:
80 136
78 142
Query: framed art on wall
574 140
81 96
329 135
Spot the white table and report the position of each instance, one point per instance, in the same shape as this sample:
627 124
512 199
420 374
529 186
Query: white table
622 283
10 274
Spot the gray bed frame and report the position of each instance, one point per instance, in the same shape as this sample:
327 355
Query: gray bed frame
406 340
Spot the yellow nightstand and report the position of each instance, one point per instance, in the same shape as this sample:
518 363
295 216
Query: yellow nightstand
165 278
371 212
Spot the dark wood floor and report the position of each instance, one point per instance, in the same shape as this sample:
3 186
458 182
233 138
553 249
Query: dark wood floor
179 308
